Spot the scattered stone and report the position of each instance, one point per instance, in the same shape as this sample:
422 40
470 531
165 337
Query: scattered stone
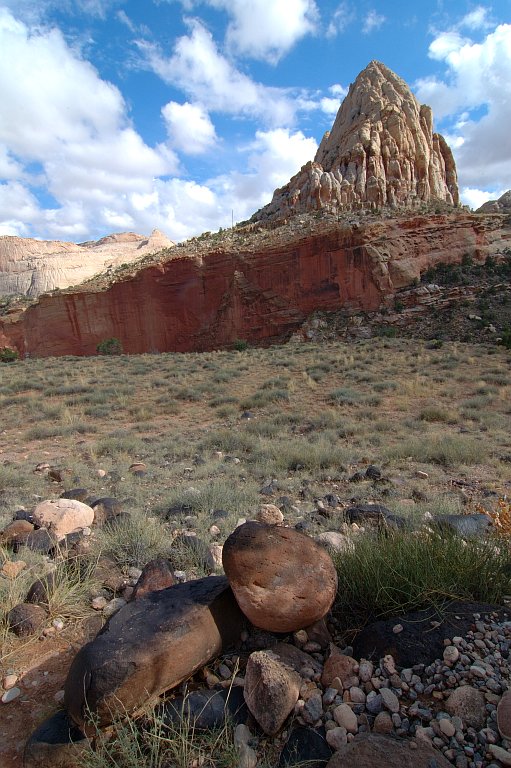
282 580
106 510
383 723
150 645
10 695
451 654
113 606
16 532
375 749
469 704
500 754
11 568
335 541
9 681
63 516
78 494
215 551
466 526
271 690
346 718
389 699
26 619
339 665
269 514
42 541
157 574
504 715
337 737
98 603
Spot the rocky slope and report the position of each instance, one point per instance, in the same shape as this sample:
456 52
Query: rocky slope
254 285
31 267
381 151
502 205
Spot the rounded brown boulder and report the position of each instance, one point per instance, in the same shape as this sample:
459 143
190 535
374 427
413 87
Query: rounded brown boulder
282 579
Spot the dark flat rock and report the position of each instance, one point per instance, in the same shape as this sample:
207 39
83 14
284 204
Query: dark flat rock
305 746
206 709
419 642
375 749
151 645
56 743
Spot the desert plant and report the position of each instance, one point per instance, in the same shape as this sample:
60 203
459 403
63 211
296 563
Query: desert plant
8 355
405 571
110 346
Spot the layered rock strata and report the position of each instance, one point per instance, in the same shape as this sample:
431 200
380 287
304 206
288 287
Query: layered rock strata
31 267
502 205
380 152
257 286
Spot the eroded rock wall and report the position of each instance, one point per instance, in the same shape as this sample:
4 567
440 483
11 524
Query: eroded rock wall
260 290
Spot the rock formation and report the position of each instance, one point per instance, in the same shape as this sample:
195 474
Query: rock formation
31 267
502 205
259 286
381 151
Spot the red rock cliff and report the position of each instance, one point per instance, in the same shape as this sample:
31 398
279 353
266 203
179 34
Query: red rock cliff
256 286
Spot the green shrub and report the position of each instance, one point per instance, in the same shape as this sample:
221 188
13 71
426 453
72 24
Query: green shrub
240 345
111 346
446 450
403 571
8 355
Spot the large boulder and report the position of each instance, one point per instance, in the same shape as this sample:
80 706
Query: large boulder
376 749
149 646
63 516
282 580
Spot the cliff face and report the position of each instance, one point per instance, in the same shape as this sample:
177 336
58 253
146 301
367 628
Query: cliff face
31 267
381 151
254 286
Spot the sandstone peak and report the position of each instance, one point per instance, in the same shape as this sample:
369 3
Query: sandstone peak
381 151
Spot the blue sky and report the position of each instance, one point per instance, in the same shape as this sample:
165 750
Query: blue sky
179 114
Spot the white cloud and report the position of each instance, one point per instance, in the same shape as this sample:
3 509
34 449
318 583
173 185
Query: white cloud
476 197
477 81
373 20
199 69
264 29
189 127
268 29
89 154
342 17
477 19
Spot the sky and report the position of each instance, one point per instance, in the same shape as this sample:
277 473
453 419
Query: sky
185 115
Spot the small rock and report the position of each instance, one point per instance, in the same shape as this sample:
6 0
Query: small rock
10 695
390 700
270 515
346 718
26 619
113 606
336 737
451 654
9 681
500 754
11 568
383 723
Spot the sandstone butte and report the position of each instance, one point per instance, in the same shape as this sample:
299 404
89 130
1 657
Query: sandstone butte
376 208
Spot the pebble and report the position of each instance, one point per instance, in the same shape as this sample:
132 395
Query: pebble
346 718
337 737
390 700
451 654
9 681
10 695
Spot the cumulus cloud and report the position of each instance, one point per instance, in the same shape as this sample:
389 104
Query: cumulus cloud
197 67
477 82
372 21
264 29
476 197
80 139
189 127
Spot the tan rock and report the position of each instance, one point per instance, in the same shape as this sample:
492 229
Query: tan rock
381 151
11 568
469 704
15 531
270 515
341 666
283 581
271 690
63 516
